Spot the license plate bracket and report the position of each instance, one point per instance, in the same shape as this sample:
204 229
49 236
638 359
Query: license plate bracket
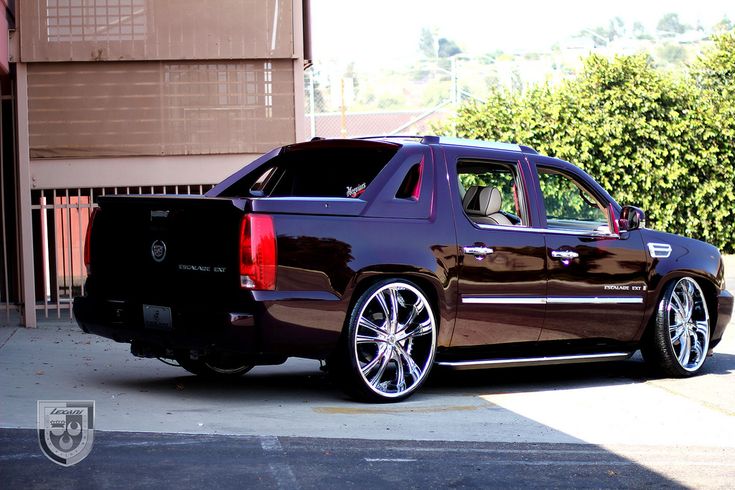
157 317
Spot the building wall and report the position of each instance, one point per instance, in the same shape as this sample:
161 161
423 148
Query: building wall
125 30
120 78
140 108
130 94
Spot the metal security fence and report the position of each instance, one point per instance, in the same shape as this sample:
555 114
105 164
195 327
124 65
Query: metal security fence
60 220
9 253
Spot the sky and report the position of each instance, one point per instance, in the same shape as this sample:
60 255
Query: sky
386 32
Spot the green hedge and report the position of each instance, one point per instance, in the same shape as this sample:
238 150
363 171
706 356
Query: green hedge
660 142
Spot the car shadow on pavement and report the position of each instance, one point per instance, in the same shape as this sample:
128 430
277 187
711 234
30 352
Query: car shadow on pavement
541 378
181 413
308 383
261 383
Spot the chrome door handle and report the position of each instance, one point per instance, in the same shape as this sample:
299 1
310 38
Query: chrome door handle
478 251
564 254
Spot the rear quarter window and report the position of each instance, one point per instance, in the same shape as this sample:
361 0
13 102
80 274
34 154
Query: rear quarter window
315 172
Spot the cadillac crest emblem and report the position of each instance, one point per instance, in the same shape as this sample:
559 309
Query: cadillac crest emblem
158 250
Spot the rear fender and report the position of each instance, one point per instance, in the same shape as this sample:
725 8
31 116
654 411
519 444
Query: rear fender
441 295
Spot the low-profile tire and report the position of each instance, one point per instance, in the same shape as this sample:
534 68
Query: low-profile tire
218 366
677 344
389 344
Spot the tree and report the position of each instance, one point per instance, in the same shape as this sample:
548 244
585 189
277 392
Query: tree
320 104
669 25
663 143
447 48
723 25
601 36
715 69
432 48
426 43
598 35
616 28
672 53
639 31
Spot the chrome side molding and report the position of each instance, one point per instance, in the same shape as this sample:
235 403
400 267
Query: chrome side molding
503 301
535 361
577 300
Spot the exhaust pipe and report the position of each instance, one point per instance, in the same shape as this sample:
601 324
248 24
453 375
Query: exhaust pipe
144 349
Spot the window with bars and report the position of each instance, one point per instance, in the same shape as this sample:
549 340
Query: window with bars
95 20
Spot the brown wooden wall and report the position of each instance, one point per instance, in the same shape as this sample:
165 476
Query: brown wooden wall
159 108
114 30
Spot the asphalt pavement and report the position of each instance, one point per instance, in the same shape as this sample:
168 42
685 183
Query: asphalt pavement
602 425
129 460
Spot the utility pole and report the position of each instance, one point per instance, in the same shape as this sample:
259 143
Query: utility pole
454 95
343 127
311 102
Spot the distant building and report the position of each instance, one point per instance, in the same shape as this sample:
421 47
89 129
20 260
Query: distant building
376 123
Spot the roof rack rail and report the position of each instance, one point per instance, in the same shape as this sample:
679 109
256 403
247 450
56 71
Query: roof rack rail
390 136
494 145
447 140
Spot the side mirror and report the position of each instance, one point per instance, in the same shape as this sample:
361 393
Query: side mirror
631 218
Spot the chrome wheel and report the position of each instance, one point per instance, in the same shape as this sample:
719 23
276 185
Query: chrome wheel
393 340
229 371
687 320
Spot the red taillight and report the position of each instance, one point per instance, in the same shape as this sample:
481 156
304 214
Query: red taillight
257 252
87 240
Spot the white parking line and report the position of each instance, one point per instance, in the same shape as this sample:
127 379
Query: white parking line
281 471
390 460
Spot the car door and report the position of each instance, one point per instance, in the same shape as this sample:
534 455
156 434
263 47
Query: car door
596 276
501 266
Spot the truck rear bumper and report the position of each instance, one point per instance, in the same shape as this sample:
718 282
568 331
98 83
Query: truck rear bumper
724 314
188 329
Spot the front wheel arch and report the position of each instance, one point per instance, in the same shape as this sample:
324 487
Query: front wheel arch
675 331
429 285
708 287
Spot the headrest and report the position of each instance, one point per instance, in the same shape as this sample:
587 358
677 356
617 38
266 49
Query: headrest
490 201
468 196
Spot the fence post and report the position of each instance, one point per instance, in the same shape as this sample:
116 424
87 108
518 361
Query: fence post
28 293
342 109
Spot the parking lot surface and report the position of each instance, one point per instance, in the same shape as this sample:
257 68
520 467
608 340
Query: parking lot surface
609 424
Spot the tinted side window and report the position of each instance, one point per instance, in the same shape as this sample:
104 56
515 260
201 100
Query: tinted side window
569 205
320 172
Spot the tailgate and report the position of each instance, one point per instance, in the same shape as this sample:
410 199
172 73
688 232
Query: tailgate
166 250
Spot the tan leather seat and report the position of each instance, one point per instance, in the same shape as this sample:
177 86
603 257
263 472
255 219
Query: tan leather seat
490 202
469 197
